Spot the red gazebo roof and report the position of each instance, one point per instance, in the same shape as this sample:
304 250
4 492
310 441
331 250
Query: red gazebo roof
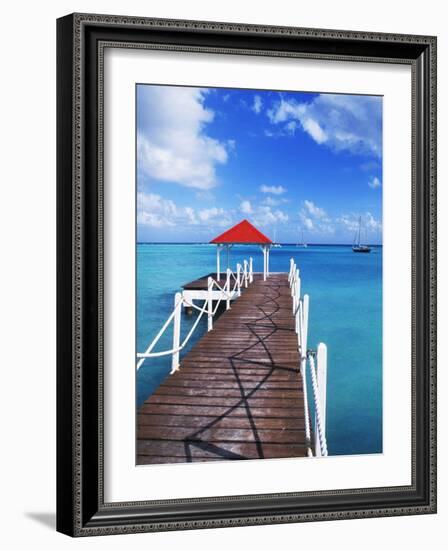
242 233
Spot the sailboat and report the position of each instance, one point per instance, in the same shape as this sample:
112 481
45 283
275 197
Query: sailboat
357 246
276 244
302 244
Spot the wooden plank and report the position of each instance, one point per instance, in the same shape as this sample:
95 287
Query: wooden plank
227 449
265 412
236 376
232 384
212 392
145 459
238 365
221 401
217 435
229 421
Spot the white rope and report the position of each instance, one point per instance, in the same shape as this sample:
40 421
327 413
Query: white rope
305 406
232 274
184 343
157 338
192 305
216 307
146 355
236 285
159 353
227 294
320 433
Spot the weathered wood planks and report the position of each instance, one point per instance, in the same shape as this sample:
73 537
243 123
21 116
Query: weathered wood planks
238 393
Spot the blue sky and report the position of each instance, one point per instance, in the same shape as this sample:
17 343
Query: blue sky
286 161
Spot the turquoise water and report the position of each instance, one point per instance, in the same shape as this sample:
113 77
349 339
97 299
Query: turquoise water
345 313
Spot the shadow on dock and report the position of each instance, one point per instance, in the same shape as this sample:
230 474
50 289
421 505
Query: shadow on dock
238 393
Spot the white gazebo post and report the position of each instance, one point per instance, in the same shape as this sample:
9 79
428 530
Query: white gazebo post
218 263
268 248
263 249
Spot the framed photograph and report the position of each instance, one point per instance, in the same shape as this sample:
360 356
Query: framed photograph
246 274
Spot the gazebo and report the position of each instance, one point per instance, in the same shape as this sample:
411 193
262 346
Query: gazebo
242 233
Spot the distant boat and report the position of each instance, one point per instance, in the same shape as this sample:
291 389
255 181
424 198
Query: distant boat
276 244
302 244
357 246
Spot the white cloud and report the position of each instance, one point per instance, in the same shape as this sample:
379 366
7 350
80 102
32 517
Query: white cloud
257 104
283 111
342 122
210 214
265 215
246 207
314 225
291 127
314 210
274 189
371 223
172 144
314 218
155 211
374 183
270 201
231 144
350 222
307 222
270 133
315 131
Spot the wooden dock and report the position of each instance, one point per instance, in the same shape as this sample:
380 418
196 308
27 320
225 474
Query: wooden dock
238 393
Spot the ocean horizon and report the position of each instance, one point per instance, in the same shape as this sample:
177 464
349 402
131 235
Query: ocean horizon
345 291
279 242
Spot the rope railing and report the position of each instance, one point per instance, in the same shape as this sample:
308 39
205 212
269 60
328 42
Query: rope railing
315 362
321 441
244 276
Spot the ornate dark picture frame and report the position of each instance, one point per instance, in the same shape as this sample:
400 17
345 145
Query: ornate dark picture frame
81 39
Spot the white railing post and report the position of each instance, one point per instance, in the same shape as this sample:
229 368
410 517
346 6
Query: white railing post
296 311
322 391
264 263
298 289
251 271
291 265
295 302
297 319
176 331
227 287
297 292
306 308
238 272
245 273
218 267
209 304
